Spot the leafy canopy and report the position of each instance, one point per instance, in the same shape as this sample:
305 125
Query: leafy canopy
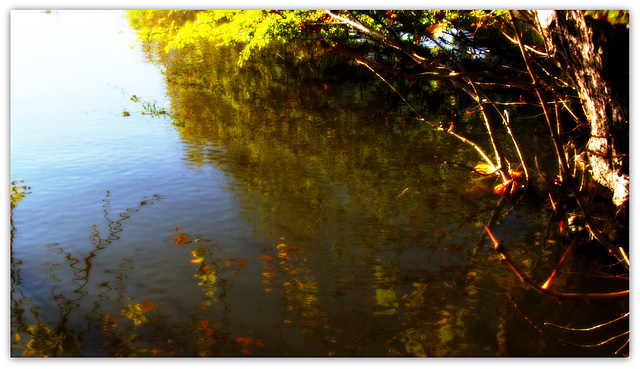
255 29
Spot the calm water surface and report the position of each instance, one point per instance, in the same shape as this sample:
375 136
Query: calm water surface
139 234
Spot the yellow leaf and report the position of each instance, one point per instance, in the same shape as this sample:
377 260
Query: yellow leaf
484 169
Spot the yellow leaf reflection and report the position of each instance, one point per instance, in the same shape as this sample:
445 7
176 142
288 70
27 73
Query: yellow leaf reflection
386 298
136 312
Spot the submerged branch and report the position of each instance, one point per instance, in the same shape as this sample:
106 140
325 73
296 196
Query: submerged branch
558 295
567 342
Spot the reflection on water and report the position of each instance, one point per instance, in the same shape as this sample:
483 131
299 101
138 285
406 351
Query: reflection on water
274 213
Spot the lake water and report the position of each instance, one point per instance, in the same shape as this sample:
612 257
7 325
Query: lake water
238 224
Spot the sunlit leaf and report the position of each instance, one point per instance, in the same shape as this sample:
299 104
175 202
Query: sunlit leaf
485 169
503 189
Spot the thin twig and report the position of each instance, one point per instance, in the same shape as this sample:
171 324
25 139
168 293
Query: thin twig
526 46
626 315
469 142
393 88
621 347
515 144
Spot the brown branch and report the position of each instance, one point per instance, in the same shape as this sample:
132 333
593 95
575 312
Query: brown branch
558 295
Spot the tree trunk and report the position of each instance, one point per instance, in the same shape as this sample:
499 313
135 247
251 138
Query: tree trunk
595 53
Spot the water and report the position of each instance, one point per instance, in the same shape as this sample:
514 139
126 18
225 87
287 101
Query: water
260 218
